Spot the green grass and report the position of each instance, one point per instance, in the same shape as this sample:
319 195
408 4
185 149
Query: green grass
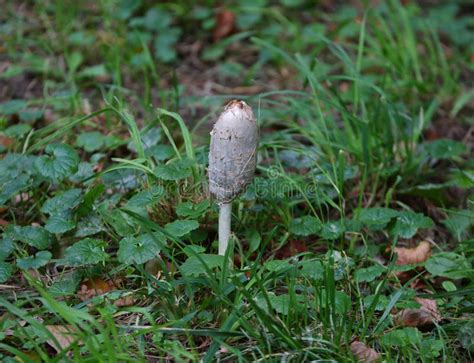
108 231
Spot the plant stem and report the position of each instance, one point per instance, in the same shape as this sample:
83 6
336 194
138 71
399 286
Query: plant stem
225 214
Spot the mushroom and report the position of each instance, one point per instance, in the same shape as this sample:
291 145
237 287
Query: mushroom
232 160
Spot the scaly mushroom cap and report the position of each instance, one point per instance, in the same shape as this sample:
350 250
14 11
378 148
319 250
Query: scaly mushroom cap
233 151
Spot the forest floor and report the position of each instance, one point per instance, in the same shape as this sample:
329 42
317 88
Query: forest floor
354 241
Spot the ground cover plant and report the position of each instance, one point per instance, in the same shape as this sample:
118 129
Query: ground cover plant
353 242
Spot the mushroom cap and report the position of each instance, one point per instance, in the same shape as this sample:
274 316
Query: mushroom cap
233 151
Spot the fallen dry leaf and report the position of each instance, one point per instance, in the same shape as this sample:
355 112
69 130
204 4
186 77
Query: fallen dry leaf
5 141
225 21
411 256
3 222
363 353
65 335
94 287
424 316
290 249
413 318
431 306
125 301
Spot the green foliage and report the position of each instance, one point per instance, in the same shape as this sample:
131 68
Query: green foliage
6 270
305 226
190 210
201 264
6 247
91 141
366 135
36 237
449 264
88 251
181 228
445 149
16 175
61 211
61 161
408 223
138 250
369 274
40 259
175 170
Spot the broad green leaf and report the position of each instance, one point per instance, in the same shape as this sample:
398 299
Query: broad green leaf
254 240
84 170
401 337
305 226
281 303
191 250
121 222
332 230
408 223
251 13
91 141
277 265
462 178
123 179
380 305
194 267
12 107
60 209
6 270
6 247
87 205
466 335
36 237
369 274
164 44
125 8
61 161
155 18
31 115
312 269
15 165
16 171
180 228
60 223
342 264
191 210
13 187
459 222
39 260
449 264
65 287
149 138
18 130
160 152
377 216
431 348
62 202
138 250
445 148
88 251
145 198
88 226
174 170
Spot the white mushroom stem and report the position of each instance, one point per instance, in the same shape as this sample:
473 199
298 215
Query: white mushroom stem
225 216
232 160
